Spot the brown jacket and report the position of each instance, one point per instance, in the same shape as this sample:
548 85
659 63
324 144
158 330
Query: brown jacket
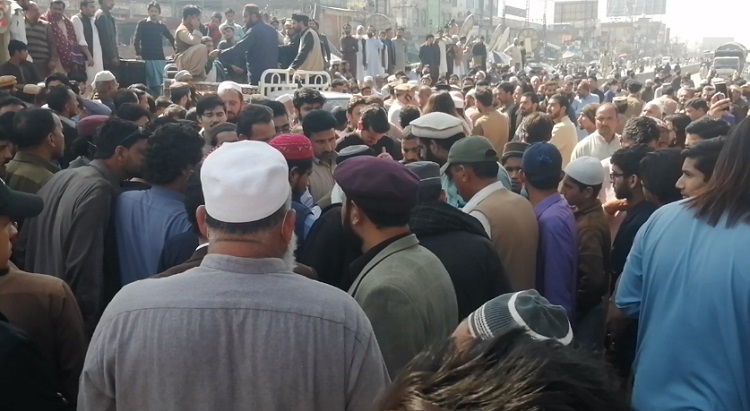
593 256
515 233
44 307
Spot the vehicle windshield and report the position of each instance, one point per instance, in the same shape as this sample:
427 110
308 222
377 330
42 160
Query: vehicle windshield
726 62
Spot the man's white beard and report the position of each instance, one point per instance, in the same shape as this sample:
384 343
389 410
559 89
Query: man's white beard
289 253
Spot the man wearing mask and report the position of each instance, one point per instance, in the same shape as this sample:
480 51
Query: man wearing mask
349 49
107 27
310 54
259 49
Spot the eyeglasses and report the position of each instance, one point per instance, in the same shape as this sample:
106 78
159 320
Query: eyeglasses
613 176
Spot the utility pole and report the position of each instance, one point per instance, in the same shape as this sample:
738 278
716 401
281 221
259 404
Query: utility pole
528 15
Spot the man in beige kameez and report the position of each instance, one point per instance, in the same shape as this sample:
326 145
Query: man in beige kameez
190 53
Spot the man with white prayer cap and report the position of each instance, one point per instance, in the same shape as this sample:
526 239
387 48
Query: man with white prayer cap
583 180
241 330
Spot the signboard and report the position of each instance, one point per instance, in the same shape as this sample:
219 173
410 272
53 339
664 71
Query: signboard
627 8
575 11
515 11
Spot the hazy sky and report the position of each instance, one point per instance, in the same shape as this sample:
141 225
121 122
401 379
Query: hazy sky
688 19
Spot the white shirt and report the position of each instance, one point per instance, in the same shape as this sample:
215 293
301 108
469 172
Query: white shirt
595 146
480 196
395 112
607 193
17 22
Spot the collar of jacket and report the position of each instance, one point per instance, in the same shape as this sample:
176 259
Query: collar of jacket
590 208
393 248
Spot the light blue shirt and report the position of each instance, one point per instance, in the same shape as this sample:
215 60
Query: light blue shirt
144 221
239 33
689 285
451 192
578 104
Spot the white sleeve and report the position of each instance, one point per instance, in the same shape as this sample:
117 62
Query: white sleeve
78 27
18 27
482 219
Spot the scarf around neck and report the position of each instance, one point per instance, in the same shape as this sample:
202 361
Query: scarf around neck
65 42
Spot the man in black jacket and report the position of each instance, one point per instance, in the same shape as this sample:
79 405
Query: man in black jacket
429 55
459 241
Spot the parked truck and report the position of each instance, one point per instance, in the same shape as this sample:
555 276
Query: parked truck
729 59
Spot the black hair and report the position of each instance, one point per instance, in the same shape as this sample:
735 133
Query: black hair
383 220
629 159
705 154
114 133
208 103
338 82
157 6
444 143
11 101
123 96
15 46
216 15
660 171
160 121
192 115
276 107
190 11
531 96
429 193
31 127
484 169
250 115
132 112
707 127
339 113
56 77
634 87
563 101
354 102
376 119
697 104
484 96
679 122
307 96
507 87
171 149
538 127
317 121
251 227
179 94
227 11
407 115
193 198
58 98
641 130
163 102
303 166
85 3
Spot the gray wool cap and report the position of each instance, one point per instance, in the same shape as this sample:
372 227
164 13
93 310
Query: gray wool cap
524 309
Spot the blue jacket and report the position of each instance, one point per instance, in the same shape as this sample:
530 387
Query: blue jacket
259 48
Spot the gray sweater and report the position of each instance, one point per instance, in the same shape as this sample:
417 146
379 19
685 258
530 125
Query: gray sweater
232 334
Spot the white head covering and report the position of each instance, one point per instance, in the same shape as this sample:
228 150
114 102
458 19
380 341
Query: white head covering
240 191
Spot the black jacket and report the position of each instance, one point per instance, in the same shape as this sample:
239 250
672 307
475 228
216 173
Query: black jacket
330 248
461 244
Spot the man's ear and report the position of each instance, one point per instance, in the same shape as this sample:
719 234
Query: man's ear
200 217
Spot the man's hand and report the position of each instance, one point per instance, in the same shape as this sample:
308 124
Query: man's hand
237 70
214 53
52 65
719 107
90 63
290 71
384 154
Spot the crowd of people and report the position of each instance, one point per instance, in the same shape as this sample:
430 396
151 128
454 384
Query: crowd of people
473 243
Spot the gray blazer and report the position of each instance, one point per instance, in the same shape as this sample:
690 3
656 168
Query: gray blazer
409 298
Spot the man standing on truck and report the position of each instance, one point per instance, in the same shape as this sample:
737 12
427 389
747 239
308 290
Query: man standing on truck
259 48
310 55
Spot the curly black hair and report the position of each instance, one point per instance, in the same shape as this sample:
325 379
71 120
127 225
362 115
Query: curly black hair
172 149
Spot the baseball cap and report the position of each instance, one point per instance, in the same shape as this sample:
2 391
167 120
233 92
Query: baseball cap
18 205
525 309
469 150
245 181
541 162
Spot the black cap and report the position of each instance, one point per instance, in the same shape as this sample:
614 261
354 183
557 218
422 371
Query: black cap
354 151
19 205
